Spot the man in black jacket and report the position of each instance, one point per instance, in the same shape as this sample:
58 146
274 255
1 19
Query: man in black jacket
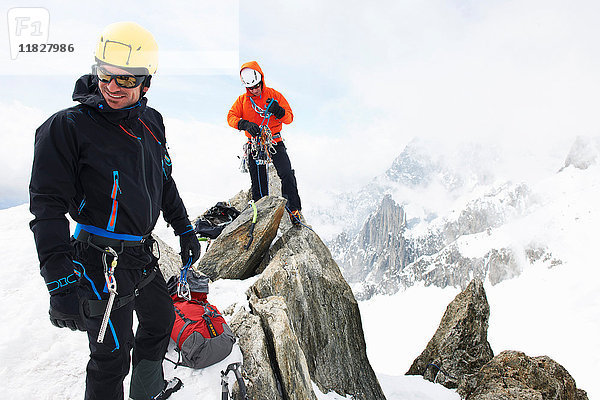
105 162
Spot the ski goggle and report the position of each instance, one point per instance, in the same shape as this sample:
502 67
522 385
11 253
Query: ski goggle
124 81
255 86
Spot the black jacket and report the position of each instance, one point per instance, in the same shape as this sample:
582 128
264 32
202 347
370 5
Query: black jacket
106 168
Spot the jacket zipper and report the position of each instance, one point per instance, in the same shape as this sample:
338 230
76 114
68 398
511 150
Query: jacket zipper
112 219
139 140
146 184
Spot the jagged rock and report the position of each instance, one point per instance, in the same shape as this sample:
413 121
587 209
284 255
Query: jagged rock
489 211
378 248
240 200
501 265
226 257
169 261
275 190
459 347
583 153
257 372
385 256
514 375
534 253
290 363
322 312
447 268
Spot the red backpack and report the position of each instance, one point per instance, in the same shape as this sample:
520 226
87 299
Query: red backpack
201 335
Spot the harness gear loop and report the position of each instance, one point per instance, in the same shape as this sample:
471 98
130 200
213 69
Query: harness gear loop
111 282
111 286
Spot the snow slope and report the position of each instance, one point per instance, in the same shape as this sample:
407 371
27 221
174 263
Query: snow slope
545 311
551 310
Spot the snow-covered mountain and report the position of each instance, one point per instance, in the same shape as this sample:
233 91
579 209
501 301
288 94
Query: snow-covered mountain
423 209
551 308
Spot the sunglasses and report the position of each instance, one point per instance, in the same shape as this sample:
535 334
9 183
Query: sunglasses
124 81
255 86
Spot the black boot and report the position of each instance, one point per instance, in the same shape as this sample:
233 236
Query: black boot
171 387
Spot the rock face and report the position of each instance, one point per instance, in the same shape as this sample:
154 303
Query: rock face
226 257
322 312
583 153
292 371
257 371
169 261
386 256
240 200
459 347
514 375
450 268
303 324
378 248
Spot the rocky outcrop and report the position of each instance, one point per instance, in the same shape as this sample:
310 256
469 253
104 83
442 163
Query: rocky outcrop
262 384
459 347
450 268
240 200
169 261
514 375
583 153
289 361
227 258
378 248
385 256
322 312
303 324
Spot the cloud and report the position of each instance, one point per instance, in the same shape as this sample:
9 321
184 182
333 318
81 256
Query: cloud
461 69
363 79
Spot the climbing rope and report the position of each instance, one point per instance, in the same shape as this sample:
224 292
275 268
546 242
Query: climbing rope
262 146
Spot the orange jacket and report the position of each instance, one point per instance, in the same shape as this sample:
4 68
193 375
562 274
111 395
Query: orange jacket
242 108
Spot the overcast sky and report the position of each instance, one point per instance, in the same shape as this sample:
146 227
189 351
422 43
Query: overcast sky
363 78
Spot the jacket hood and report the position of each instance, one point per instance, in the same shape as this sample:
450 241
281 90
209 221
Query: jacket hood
254 65
87 92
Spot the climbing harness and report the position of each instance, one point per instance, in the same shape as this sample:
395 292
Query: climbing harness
235 367
111 285
251 231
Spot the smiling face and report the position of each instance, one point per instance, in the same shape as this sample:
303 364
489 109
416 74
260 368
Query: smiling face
116 96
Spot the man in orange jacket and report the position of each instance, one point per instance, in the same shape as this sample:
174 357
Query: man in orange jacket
264 106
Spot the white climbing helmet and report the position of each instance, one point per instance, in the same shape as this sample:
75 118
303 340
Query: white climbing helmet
250 77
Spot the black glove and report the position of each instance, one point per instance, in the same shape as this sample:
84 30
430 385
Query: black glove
64 311
251 127
276 109
190 247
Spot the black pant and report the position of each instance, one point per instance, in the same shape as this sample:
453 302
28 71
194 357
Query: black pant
283 166
109 361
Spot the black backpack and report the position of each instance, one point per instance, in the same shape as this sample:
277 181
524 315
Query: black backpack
215 219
